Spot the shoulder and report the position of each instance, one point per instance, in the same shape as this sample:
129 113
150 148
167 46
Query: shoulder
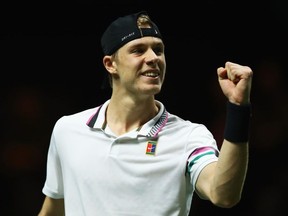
187 127
177 123
175 119
75 119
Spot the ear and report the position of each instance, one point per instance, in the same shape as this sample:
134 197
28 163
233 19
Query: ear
109 64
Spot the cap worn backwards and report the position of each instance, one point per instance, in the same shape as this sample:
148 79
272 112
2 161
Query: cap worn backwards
125 29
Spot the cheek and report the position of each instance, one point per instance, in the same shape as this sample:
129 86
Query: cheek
131 66
127 61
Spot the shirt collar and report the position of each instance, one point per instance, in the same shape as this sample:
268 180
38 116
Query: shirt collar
150 128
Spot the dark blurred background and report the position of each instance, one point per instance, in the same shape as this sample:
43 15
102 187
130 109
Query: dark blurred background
51 65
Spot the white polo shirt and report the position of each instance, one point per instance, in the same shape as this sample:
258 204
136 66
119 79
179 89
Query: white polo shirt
149 171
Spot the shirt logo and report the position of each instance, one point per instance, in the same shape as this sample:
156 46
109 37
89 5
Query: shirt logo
151 147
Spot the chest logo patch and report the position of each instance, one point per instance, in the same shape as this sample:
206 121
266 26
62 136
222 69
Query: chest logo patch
151 147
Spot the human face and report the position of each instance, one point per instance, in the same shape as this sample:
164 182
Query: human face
141 66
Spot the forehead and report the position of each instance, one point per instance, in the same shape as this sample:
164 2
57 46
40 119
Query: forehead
148 40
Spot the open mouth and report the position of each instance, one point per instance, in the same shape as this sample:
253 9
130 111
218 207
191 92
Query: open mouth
151 74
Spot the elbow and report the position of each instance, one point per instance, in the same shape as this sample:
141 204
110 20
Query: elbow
226 202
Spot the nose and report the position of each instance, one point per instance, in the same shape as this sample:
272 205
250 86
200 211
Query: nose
151 57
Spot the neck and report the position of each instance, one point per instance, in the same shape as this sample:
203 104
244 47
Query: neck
126 115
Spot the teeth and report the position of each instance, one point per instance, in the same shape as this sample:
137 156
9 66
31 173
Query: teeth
151 74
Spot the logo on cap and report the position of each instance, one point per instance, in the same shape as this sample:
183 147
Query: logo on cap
127 36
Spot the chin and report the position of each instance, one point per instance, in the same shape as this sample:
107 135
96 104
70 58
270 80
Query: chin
155 91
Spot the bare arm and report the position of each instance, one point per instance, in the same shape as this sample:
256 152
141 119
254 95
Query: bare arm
52 207
222 182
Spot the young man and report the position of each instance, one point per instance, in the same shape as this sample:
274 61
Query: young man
130 156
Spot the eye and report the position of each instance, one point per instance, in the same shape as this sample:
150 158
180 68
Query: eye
158 50
137 51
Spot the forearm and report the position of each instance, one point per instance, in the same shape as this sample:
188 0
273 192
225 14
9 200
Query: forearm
230 174
232 166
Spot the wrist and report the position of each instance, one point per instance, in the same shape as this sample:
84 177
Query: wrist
238 120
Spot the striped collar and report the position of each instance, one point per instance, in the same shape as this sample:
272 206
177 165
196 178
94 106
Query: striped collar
149 129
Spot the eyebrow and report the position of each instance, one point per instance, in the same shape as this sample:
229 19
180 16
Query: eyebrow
154 43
